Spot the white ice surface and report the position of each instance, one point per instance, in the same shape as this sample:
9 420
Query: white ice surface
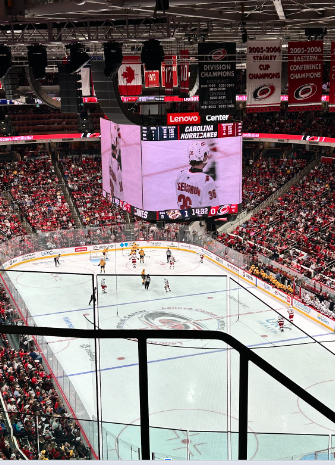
187 380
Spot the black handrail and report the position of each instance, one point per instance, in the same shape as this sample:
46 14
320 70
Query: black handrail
246 356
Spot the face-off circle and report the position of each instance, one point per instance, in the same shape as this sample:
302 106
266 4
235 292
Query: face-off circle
182 318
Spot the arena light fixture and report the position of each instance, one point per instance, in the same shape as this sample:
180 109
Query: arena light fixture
37 60
279 9
78 58
152 55
113 58
5 60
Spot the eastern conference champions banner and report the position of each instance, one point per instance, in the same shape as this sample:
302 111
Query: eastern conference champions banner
264 68
217 81
305 70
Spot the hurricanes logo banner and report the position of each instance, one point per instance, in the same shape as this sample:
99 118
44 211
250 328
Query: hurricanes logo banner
305 71
264 71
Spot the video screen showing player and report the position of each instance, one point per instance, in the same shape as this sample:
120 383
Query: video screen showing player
121 161
187 174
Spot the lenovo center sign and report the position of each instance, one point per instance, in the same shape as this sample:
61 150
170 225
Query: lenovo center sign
183 118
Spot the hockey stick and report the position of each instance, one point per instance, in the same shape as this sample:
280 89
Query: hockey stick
91 322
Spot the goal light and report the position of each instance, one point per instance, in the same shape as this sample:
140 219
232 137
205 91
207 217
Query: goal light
152 55
5 60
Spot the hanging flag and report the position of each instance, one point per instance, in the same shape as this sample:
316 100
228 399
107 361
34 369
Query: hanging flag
331 105
174 69
305 71
264 68
184 81
130 76
151 78
85 74
168 74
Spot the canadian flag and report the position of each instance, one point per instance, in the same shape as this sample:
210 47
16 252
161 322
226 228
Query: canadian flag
130 76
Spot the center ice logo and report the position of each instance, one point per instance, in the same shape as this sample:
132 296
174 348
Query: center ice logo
173 318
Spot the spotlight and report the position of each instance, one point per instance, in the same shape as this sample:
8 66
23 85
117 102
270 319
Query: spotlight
78 58
152 55
37 59
5 60
113 58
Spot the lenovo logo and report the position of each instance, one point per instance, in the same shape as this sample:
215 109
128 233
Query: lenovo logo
183 118
217 117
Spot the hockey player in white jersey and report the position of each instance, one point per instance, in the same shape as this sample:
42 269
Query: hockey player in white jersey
115 164
172 262
166 285
195 188
290 312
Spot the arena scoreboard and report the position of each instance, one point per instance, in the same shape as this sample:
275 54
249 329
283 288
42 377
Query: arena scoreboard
220 211
191 132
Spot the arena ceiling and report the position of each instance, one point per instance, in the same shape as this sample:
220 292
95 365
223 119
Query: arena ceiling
184 25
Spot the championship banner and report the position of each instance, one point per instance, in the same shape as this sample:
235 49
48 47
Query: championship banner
217 80
305 69
151 78
264 70
184 81
130 76
168 74
174 70
331 105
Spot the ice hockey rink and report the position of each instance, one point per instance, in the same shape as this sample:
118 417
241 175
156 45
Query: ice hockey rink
193 385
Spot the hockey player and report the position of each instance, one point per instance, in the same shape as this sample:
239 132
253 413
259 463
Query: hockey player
147 282
194 188
102 265
103 286
104 252
281 322
166 285
142 255
133 260
201 257
172 262
134 248
143 276
290 312
168 255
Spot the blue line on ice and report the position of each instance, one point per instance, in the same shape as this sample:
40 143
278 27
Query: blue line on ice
137 302
191 355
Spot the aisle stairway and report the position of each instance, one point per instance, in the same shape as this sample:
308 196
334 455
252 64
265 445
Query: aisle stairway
21 217
68 196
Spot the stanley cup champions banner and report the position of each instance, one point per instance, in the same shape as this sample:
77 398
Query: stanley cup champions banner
217 78
264 70
305 69
331 105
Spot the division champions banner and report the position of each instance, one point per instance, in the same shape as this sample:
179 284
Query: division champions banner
264 70
305 69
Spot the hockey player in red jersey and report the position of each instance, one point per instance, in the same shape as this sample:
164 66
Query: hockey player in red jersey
281 322
290 312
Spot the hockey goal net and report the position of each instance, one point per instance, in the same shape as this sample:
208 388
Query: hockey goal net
94 255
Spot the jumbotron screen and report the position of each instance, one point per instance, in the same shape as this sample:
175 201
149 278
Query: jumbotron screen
174 172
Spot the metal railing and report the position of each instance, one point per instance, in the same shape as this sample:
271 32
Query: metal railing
247 356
